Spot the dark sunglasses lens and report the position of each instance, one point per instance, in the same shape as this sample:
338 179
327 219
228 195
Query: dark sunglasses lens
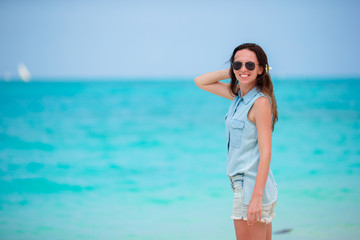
250 66
237 65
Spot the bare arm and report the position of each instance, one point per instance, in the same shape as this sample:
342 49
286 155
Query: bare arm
262 113
211 82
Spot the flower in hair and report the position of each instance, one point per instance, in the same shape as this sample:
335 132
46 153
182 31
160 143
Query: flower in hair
267 68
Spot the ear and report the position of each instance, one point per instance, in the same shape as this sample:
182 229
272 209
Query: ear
261 70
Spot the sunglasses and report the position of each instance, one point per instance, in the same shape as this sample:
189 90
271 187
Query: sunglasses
249 65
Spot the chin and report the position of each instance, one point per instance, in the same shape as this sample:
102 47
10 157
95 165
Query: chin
243 81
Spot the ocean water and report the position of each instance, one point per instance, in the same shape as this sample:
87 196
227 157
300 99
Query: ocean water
147 160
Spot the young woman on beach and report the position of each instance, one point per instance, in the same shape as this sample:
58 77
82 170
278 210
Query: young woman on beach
249 124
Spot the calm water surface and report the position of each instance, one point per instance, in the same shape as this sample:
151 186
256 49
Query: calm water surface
147 160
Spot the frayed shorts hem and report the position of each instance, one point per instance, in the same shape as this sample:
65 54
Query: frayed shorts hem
265 220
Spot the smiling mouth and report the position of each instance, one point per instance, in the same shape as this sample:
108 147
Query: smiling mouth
244 75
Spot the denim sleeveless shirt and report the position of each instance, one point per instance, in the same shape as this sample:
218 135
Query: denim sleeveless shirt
242 146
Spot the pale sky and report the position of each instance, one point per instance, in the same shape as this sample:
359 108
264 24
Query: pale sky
149 39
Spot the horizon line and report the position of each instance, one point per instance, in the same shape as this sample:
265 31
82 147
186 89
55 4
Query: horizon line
166 78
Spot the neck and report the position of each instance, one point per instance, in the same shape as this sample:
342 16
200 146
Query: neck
245 88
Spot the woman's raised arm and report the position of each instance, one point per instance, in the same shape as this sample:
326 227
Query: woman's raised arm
211 82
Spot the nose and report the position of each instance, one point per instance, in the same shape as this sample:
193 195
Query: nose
243 68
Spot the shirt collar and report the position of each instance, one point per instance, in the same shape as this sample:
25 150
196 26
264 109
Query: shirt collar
250 95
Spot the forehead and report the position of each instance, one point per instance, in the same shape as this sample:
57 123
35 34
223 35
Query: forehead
245 55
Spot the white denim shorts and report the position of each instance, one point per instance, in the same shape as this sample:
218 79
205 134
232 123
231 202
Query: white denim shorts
240 208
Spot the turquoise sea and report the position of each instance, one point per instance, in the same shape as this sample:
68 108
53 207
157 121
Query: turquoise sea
147 160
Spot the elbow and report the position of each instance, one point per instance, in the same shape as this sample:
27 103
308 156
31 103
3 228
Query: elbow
265 155
196 80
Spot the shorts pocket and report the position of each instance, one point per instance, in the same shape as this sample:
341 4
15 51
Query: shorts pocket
236 132
238 184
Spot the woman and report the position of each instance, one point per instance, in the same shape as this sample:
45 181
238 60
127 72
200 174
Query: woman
249 125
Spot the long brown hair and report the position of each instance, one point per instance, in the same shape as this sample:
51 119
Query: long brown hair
263 81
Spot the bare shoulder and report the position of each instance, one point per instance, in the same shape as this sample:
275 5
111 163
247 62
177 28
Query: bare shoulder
262 104
262 101
262 112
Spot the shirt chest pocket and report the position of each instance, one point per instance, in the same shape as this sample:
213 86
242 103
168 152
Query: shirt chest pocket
236 132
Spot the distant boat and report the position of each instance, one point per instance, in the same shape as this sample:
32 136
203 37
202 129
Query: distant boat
283 231
24 72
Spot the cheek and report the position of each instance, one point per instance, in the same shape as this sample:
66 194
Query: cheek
235 72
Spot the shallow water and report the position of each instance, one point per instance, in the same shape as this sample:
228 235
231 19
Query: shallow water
146 160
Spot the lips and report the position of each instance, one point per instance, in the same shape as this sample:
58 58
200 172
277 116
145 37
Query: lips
244 75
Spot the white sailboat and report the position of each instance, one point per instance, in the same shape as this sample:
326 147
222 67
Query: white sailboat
24 72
